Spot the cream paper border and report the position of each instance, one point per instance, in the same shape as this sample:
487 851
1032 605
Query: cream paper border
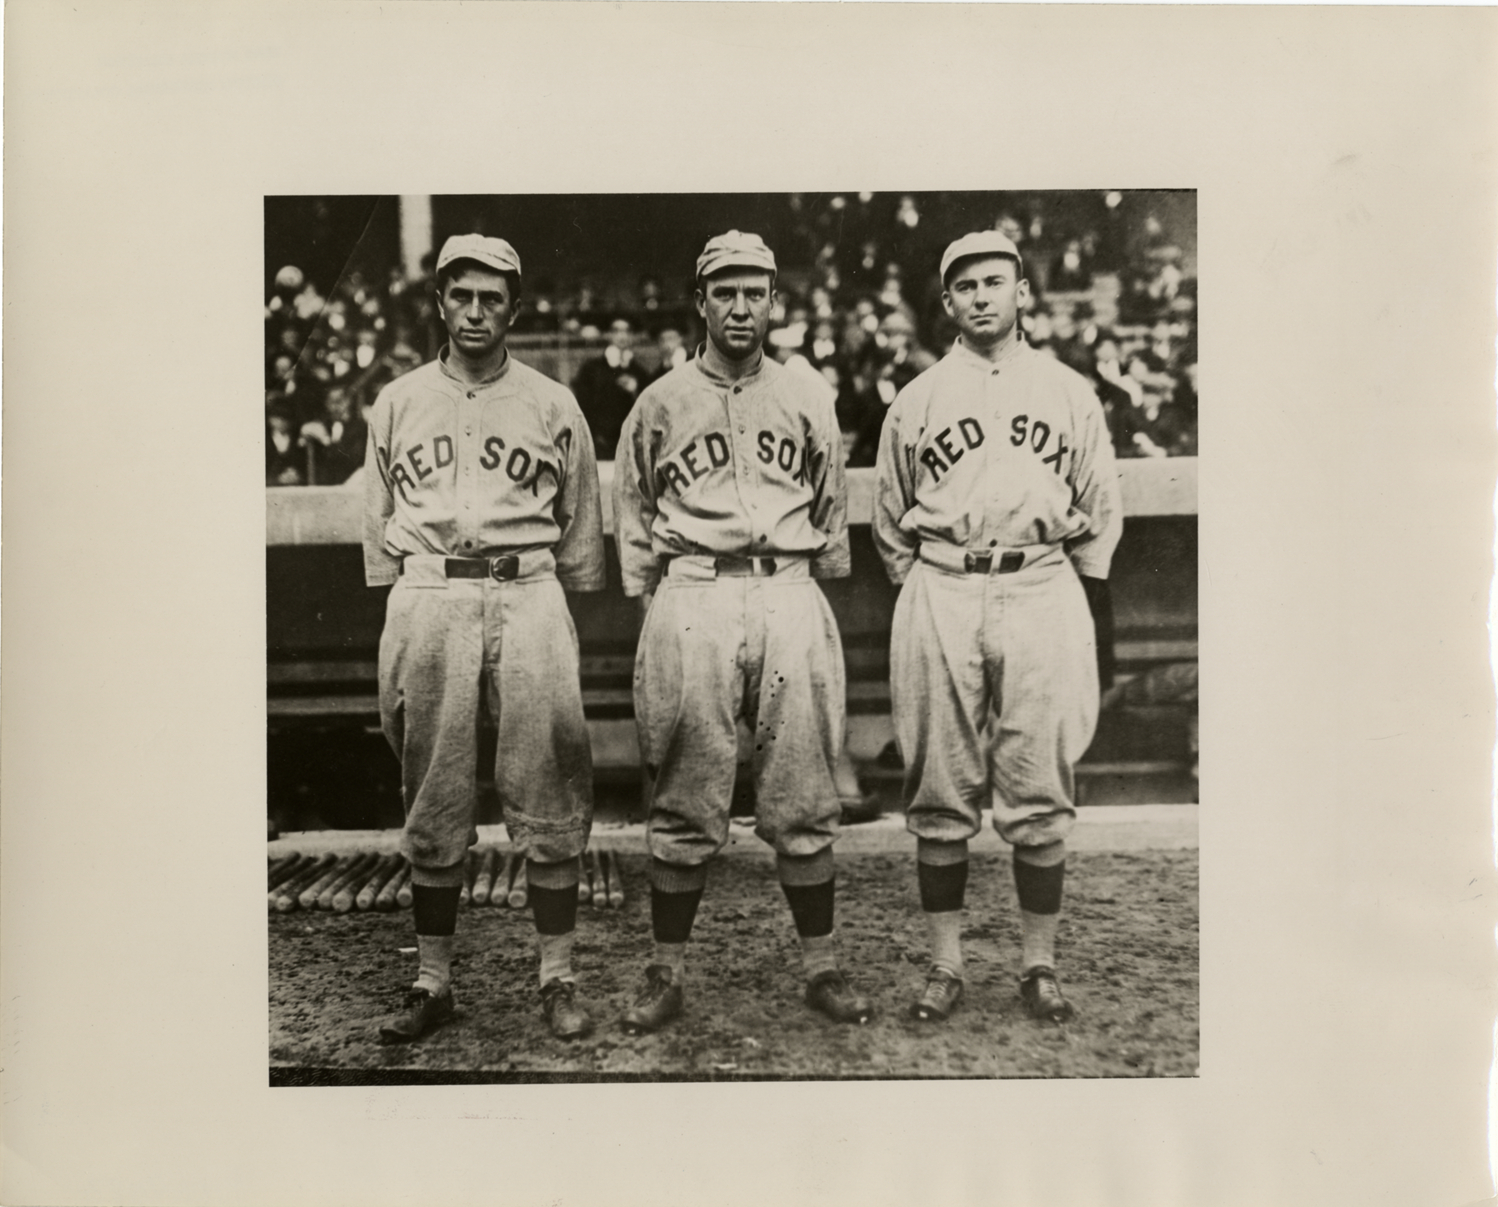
1345 162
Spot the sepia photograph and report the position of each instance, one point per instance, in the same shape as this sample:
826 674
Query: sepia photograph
733 629
732 636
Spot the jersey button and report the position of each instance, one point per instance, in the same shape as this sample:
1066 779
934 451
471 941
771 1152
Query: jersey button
473 393
738 390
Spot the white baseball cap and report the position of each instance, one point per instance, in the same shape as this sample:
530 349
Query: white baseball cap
736 249
979 243
490 252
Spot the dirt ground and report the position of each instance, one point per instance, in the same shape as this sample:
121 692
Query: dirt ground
1128 956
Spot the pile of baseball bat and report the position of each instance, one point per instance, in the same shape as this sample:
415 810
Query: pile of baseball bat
365 880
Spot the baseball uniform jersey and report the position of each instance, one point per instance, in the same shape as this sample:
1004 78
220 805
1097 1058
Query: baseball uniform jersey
995 487
482 504
729 502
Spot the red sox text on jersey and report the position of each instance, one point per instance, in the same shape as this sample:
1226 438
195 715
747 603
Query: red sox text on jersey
465 470
741 468
1006 454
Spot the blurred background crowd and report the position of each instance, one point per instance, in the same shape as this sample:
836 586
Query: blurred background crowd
607 306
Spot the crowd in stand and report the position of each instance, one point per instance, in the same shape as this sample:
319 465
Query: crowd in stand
857 307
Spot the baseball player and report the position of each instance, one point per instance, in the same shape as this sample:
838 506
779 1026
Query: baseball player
482 505
728 502
996 503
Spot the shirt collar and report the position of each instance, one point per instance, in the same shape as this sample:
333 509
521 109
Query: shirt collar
967 356
442 363
700 360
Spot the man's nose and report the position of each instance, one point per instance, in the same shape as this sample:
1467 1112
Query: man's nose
740 303
475 311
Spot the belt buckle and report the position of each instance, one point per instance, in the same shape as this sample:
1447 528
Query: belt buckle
502 569
977 563
1011 561
764 566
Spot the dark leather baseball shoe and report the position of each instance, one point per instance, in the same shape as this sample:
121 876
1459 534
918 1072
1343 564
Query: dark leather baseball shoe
1041 993
564 1016
940 996
830 993
658 1003
423 1012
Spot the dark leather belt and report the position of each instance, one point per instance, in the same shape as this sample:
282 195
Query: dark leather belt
744 566
501 568
982 563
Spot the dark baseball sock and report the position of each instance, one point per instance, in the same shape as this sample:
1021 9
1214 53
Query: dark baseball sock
672 914
812 907
555 914
554 909
435 909
941 875
1039 888
943 886
436 914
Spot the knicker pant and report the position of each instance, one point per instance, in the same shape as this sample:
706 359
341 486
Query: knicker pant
715 650
452 645
994 691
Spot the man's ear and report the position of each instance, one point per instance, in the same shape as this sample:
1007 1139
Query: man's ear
701 300
946 303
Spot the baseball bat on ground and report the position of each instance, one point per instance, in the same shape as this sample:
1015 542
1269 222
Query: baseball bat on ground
385 898
465 891
287 876
345 892
519 888
307 898
403 894
600 887
500 893
616 880
382 873
483 883
584 885
281 868
288 894
352 875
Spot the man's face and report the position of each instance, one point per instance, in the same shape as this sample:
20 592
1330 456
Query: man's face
984 296
621 334
478 309
736 304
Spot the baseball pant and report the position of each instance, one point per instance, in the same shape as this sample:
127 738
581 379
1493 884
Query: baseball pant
994 691
717 649
452 645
